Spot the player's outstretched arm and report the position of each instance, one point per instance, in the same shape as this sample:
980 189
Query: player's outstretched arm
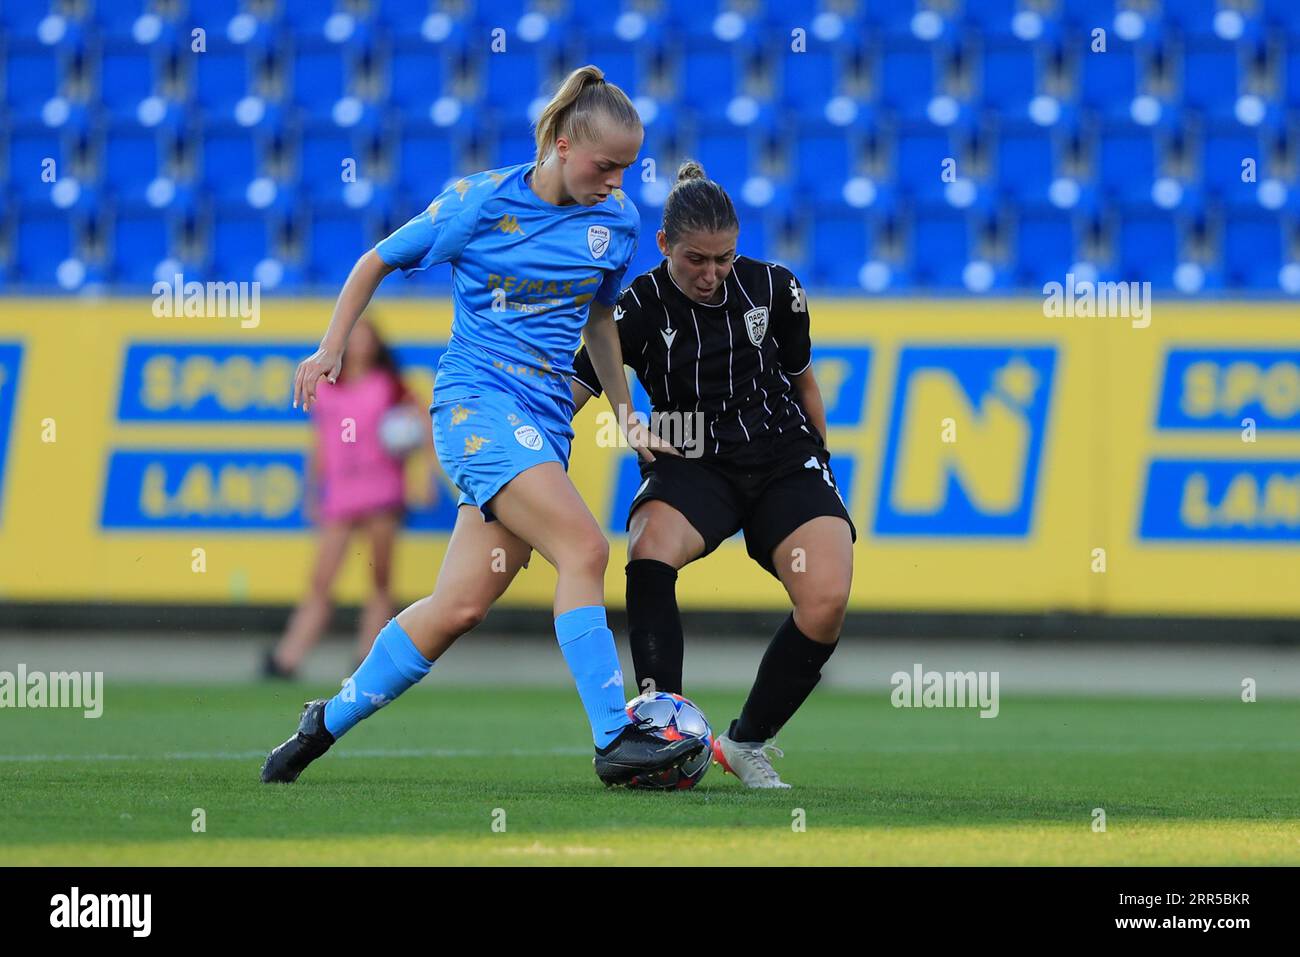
357 291
606 353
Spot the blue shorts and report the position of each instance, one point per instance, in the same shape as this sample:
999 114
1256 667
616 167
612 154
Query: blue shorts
484 441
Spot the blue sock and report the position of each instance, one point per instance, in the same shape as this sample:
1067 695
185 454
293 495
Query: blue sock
393 665
588 647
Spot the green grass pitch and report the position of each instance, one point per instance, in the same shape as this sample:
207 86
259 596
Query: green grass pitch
1181 781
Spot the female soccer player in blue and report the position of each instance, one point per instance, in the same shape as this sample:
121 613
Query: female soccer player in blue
539 251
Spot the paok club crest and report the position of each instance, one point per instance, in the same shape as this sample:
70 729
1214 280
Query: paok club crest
756 324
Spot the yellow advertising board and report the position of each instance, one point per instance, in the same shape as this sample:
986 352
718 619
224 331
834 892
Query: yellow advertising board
993 458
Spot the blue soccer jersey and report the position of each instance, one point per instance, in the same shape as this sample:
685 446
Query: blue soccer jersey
524 272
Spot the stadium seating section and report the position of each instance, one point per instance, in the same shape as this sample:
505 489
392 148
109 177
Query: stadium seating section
874 146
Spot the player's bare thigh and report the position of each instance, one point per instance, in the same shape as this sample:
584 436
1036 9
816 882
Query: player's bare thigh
815 564
660 532
482 560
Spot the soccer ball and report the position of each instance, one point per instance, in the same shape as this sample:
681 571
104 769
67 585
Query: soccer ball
672 717
401 430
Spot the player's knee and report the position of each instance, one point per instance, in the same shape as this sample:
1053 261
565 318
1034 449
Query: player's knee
465 617
821 612
585 552
649 540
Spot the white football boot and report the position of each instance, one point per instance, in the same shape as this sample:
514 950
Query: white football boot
749 762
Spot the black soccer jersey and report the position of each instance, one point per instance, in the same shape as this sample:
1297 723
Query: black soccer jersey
730 362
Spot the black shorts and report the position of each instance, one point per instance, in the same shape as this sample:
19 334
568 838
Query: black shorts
767 503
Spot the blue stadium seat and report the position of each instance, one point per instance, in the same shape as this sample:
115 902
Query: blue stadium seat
906 75
305 17
131 158
1293 72
1108 81
1025 161
1044 244
1252 250
229 157
808 79
1009 72
319 76
115 21
511 80
337 237
43 237
221 77
21 19
1127 159
1284 14
238 239
839 248
27 148
139 244
990 17
128 72
32 75
1223 147
417 76
322 149
426 158
1147 246
726 154
622 63
403 17
691 18
755 239
1209 79
825 158
939 246
919 153
512 146
715 67
1194 18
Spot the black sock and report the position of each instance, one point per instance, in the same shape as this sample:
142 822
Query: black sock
791 668
654 624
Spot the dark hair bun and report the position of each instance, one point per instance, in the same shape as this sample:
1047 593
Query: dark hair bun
690 170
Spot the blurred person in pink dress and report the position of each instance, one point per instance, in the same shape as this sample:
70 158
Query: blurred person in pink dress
354 483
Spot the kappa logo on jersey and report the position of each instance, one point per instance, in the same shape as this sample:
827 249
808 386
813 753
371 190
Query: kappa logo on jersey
459 414
528 437
597 240
509 224
474 443
756 324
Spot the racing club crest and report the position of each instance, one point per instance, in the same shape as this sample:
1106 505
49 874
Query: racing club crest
597 240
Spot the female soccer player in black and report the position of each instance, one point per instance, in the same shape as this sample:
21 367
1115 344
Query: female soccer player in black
721 342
